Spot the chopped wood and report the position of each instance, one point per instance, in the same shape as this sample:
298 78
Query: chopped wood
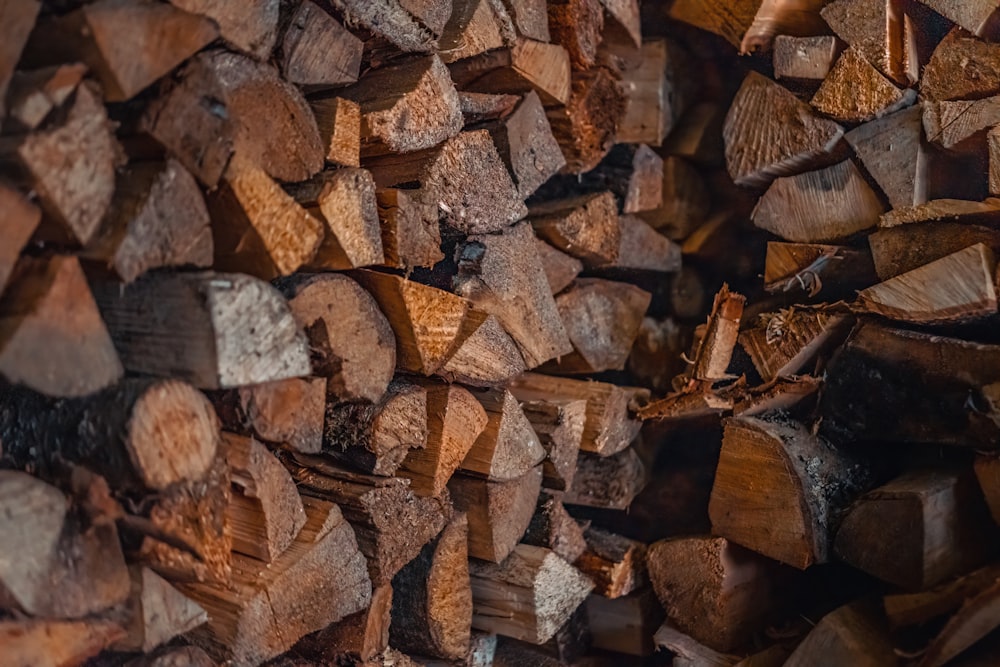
988 473
610 482
912 609
487 355
985 212
625 624
265 512
961 124
804 58
973 15
339 123
586 127
657 355
577 25
173 656
529 17
850 635
918 530
391 21
529 596
432 607
19 222
559 427
560 269
158 219
855 91
761 142
653 99
587 226
642 248
800 483
553 528
687 651
993 148
893 152
813 267
36 93
126 45
18 19
975 620
455 420
507 448
955 288
320 579
962 67
251 28
502 276
215 330
157 612
697 136
633 173
377 437
317 51
474 28
499 512
685 200
785 342
430 13
48 643
790 206
715 351
616 564
527 65
527 146
360 636
875 29
410 233
52 338
285 412
480 107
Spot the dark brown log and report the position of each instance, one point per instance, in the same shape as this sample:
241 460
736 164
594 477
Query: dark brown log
480 107
487 355
985 212
975 15
975 620
960 125
853 634
813 267
529 17
616 564
875 29
893 152
507 448
586 227
786 342
914 609
804 58
657 355
410 233
559 426
634 174
360 636
611 482
962 67
527 146
393 21
577 26
44 643
339 122
655 95
751 24
18 19
988 474
475 27
173 656
36 93
285 412
687 651
251 28
585 128
499 512
626 624
19 222
553 528
685 200
317 52
560 269
157 612
854 91
698 135
527 65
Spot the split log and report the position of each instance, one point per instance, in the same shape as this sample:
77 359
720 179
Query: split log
553 528
527 597
46 643
751 24
350 341
577 26
320 579
784 343
975 620
698 135
789 207
983 213
252 28
433 14
559 427
958 287
502 276
687 651
18 20
527 146
214 330
410 233
285 412
265 512
391 21
173 656
79 149
406 107
875 29
36 93
482 107
893 152
609 426
499 512
685 200
377 437
569 645
455 419
918 530
800 485
529 18
988 473
804 58
602 319
586 227
19 222
157 612
960 125
855 91
345 200
814 267
761 142
850 635
487 355
654 95
507 448
962 67
657 356
318 52
528 65
392 524
126 45
905 610
53 339
716 591
616 564
560 269
611 482
432 607
474 28
427 321
633 173
586 126
360 636
257 228
339 123
626 624
158 219
715 350
975 15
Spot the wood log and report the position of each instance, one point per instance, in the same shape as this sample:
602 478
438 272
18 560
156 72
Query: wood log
960 125
499 512
339 123
527 65
875 29
715 350
502 276
853 634
18 20
174 656
48 643
626 624
714 590
157 219
559 427
482 107
685 200
984 213
487 355
962 67
392 524
898 250
126 45
157 612
257 228
345 200
975 620
507 448
410 233
616 564
553 528
901 172
788 208
474 28
427 321
813 267
560 269
698 135
527 146
609 426
854 91
527 597
350 341
974 16
657 354
577 26
634 173
751 24
318 52
377 437
786 342
687 651
601 318
610 482
794 520
529 18
252 29
586 126
760 144
955 288
34 94
805 59
392 21
19 222
988 474
285 412
406 107
653 95
587 227
265 512
432 609
360 636
53 339
468 162
906 609
79 148
214 330
455 420
320 579
993 148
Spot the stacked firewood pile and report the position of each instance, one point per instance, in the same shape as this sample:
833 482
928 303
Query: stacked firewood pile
499 332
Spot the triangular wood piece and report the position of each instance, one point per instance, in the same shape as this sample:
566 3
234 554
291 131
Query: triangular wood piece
962 67
893 152
956 125
784 342
852 635
973 15
159 612
955 288
508 447
486 357
874 28
977 618
528 65
855 91
769 133
900 249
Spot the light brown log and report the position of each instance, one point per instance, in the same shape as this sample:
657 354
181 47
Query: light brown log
215 330
527 146
455 419
507 448
47 643
962 67
854 91
685 200
360 636
35 93
751 24
18 19
479 107
559 426
502 276
158 219
410 233
285 412
985 212
317 51
432 606
875 29
499 512
553 528
973 15
804 58
586 126
560 269
486 357
763 143
377 437
527 65
786 342
126 45
339 123
819 206
528 596
611 482
577 26
586 227
265 512
19 222
626 624
251 28
654 99
851 635
529 18
320 579
811 267
474 28
960 125
616 564
391 21
157 612
53 339
715 350
893 152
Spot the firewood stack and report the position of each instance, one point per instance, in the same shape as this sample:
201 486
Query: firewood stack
499 332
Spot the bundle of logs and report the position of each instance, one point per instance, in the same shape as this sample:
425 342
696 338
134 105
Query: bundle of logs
499 332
